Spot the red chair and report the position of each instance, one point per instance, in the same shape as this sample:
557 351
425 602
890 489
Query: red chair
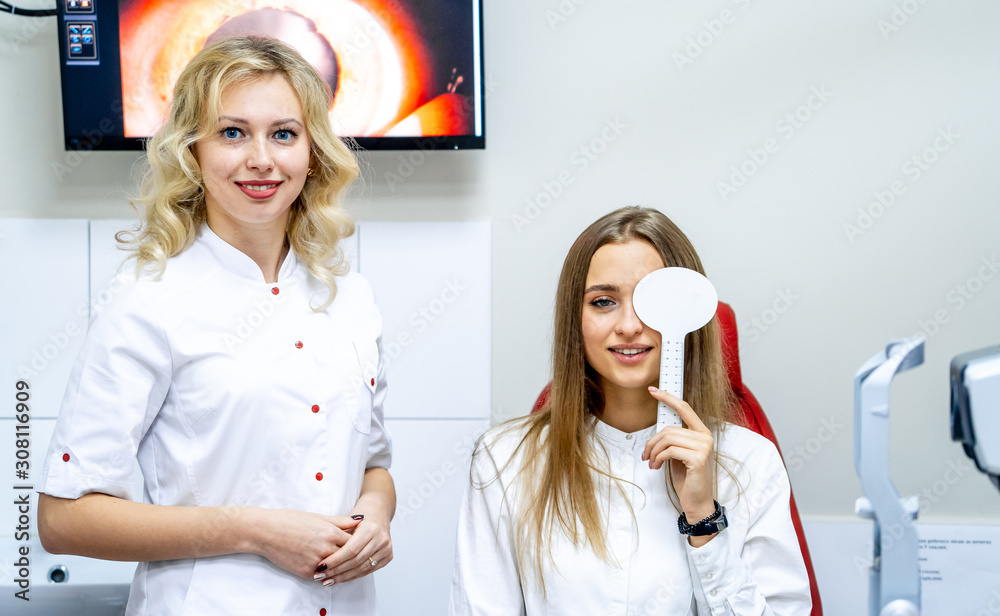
751 416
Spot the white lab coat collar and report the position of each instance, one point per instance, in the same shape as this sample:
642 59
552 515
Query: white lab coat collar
237 262
623 440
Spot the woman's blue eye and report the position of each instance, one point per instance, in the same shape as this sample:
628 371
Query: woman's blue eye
284 135
231 133
602 302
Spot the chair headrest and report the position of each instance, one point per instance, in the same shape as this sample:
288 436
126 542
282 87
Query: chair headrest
729 338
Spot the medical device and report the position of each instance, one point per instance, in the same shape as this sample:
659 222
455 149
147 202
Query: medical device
975 422
975 408
894 579
673 301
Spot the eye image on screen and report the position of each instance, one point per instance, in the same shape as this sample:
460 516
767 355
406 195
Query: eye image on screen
396 68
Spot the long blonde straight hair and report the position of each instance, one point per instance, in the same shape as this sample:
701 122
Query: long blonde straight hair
172 192
560 468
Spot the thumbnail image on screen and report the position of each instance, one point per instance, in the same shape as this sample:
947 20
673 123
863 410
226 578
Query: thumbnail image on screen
397 68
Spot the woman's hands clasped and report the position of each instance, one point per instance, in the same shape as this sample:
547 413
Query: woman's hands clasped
369 549
690 452
328 549
296 540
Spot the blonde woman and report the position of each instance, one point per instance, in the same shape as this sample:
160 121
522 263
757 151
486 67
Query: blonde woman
240 367
584 508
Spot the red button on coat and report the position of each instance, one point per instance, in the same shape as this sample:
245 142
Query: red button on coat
275 290
298 345
322 611
319 476
373 382
65 457
315 408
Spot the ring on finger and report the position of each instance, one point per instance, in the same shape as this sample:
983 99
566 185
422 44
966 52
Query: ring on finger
373 561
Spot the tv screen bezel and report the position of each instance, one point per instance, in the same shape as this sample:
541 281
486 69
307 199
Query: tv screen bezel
107 134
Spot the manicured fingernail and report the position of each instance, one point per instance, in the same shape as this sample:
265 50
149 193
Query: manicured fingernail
328 582
319 576
653 389
322 567
358 517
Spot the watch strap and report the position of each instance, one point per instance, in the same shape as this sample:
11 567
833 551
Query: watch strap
714 523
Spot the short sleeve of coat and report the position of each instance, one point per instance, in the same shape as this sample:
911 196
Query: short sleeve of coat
368 344
379 441
116 388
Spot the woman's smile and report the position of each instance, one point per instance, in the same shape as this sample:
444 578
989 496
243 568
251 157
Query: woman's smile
630 354
259 189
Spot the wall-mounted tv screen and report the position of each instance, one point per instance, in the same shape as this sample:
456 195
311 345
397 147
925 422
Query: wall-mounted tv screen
405 74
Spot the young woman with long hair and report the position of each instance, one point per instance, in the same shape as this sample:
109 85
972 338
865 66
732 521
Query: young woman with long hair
584 508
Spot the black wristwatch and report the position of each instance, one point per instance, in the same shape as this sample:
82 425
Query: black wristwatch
709 526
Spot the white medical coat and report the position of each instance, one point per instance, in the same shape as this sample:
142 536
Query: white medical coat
229 391
754 567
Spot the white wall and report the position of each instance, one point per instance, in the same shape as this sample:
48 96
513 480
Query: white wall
555 87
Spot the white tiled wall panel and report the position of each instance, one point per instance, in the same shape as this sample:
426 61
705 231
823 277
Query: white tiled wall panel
431 469
351 246
105 257
43 270
432 283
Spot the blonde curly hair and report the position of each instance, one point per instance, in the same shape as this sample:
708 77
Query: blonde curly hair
172 192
